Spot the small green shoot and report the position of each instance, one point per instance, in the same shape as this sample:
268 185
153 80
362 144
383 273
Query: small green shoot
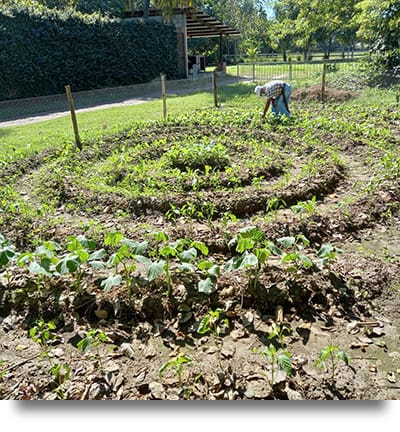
331 354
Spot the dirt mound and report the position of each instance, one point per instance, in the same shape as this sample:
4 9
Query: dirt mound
314 94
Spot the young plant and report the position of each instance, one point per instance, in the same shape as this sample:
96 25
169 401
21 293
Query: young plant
303 207
279 332
332 355
277 358
255 251
7 255
127 253
80 252
177 363
327 254
93 338
295 256
213 322
43 334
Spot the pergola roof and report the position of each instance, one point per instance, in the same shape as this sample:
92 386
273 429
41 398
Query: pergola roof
198 24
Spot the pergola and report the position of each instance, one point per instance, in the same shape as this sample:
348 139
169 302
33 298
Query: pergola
194 24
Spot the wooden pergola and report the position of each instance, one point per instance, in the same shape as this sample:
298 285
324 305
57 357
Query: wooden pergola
190 24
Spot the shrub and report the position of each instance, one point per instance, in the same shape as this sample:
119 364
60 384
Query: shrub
84 51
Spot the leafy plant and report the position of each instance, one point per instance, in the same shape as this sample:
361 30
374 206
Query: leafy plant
80 251
127 253
327 254
331 355
43 334
7 255
93 338
277 358
177 363
213 322
295 256
254 251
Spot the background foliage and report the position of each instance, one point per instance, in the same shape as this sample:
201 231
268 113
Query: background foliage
42 50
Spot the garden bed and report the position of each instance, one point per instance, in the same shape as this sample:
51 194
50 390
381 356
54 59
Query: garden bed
211 256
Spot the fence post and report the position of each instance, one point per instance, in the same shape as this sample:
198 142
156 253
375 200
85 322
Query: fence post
164 95
215 87
323 81
73 117
254 71
290 70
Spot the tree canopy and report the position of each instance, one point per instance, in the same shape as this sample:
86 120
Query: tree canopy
275 25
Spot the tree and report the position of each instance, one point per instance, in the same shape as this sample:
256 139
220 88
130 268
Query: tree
379 26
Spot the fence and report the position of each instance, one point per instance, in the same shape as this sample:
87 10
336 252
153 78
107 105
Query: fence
29 110
292 71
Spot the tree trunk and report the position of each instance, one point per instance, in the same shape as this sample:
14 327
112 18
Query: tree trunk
146 7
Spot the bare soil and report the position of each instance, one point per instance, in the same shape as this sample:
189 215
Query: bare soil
354 304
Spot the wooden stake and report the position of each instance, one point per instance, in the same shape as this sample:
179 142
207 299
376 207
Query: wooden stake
164 95
323 82
73 117
215 87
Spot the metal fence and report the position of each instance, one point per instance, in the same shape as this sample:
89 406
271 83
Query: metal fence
293 71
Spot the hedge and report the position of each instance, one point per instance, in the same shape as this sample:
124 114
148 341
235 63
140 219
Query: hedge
42 50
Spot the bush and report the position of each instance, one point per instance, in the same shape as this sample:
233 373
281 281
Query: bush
42 50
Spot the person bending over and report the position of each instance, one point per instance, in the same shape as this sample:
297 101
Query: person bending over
277 94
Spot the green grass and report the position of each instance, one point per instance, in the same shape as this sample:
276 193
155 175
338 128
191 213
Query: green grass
20 141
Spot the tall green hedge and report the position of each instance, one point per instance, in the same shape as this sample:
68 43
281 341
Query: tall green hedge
42 50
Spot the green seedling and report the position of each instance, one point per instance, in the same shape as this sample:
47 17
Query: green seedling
328 254
255 251
127 253
42 262
213 322
61 374
332 355
42 333
277 358
93 338
7 255
177 363
279 332
295 256
305 207
80 252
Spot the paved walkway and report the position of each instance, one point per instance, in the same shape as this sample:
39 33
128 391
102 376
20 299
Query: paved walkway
32 110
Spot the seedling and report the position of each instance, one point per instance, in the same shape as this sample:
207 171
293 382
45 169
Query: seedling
279 332
213 322
331 354
177 363
42 333
7 255
93 338
277 358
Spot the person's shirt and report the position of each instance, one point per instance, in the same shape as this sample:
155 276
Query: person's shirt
273 89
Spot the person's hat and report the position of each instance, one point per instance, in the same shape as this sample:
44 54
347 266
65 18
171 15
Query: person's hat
257 91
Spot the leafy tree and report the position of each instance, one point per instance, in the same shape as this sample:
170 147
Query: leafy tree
379 26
